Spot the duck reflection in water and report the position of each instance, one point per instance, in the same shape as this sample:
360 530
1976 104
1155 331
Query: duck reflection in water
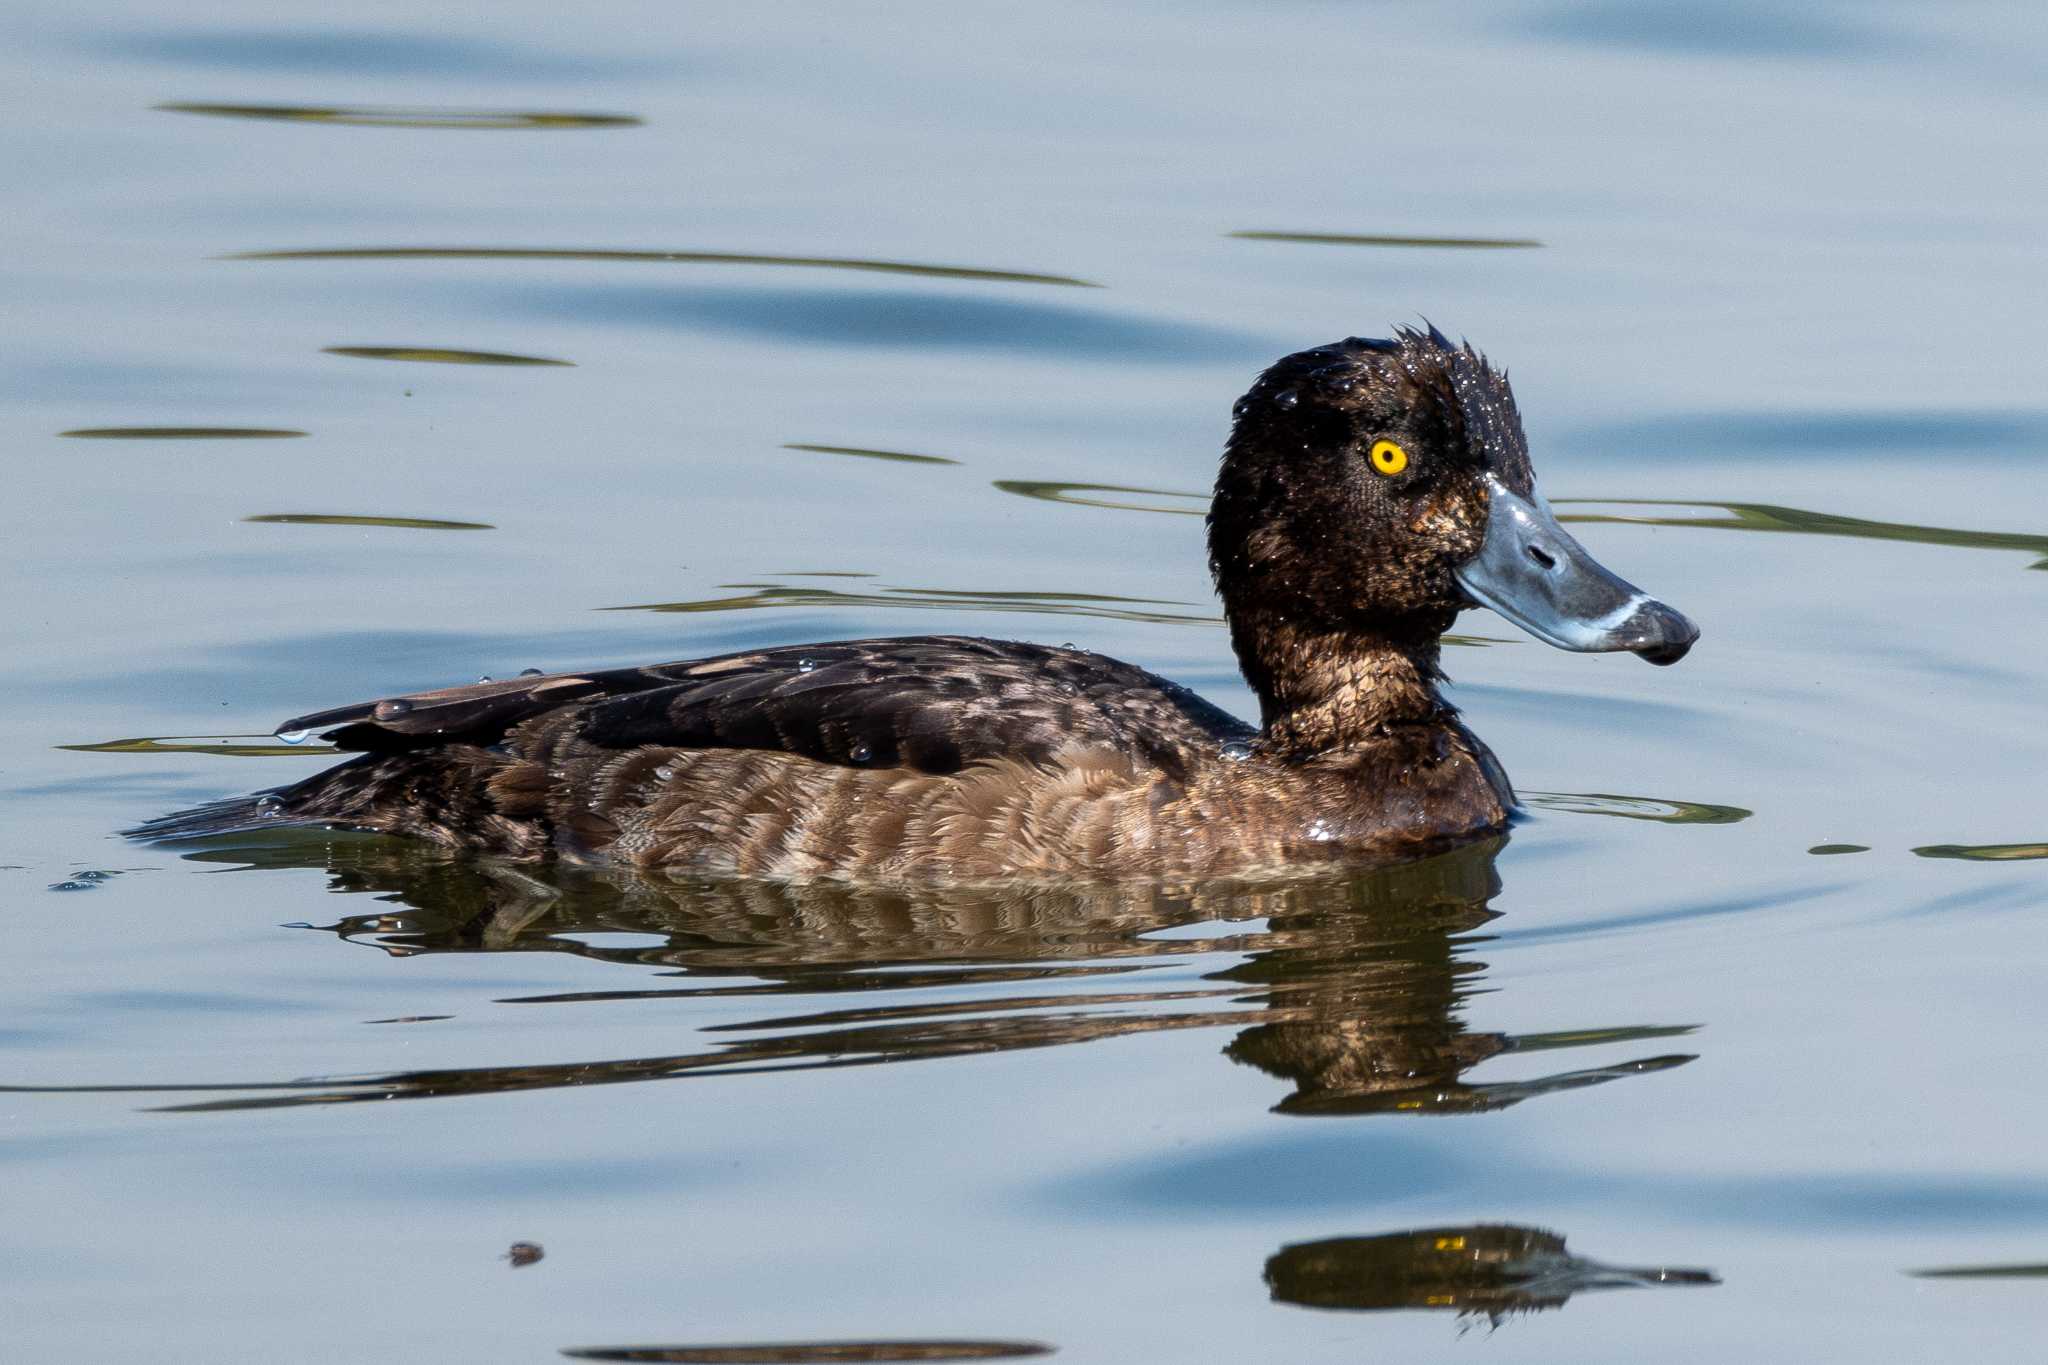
1482 1270
1347 985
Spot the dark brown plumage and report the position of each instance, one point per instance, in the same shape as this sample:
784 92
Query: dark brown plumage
955 758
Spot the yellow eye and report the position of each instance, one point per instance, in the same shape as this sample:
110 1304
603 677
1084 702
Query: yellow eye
1388 458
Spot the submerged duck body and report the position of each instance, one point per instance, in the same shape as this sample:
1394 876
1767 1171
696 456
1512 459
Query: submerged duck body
1370 491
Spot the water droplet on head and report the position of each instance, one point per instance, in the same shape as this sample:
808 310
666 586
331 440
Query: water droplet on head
1286 398
666 772
806 664
860 753
530 673
1241 406
485 677
1069 645
1237 751
1319 832
293 736
1069 688
393 709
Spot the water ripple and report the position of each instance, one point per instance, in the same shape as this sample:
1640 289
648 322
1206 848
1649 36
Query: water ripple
820 1352
755 596
223 746
1764 516
437 355
511 253
182 433
339 519
1985 853
865 453
398 116
1373 239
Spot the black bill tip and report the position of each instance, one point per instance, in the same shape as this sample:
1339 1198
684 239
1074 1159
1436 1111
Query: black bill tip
1658 633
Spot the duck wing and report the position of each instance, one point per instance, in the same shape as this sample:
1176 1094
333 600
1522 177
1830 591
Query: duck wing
930 703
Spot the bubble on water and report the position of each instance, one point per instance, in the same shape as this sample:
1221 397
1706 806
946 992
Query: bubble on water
73 885
392 710
806 664
1286 398
531 673
1237 751
293 736
860 753
91 875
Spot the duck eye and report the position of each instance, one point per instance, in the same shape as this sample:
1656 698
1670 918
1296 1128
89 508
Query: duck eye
1388 458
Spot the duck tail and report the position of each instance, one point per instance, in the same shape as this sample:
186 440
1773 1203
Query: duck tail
236 815
434 794
322 799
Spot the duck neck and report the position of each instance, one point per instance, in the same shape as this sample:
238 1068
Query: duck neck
1323 689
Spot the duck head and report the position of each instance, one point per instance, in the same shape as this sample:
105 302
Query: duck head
1375 488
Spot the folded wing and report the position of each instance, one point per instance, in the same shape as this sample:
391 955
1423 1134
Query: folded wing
930 703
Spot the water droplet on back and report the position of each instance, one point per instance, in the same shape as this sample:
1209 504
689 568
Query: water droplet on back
806 664
485 677
269 807
1237 751
530 673
393 709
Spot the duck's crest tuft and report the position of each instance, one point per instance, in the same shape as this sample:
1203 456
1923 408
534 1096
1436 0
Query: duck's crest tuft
1479 394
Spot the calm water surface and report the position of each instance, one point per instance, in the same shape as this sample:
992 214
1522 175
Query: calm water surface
393 347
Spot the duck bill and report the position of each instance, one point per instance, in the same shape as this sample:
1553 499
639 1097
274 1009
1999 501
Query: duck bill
1530 570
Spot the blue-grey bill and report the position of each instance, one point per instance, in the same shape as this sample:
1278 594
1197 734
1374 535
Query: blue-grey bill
1530 570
